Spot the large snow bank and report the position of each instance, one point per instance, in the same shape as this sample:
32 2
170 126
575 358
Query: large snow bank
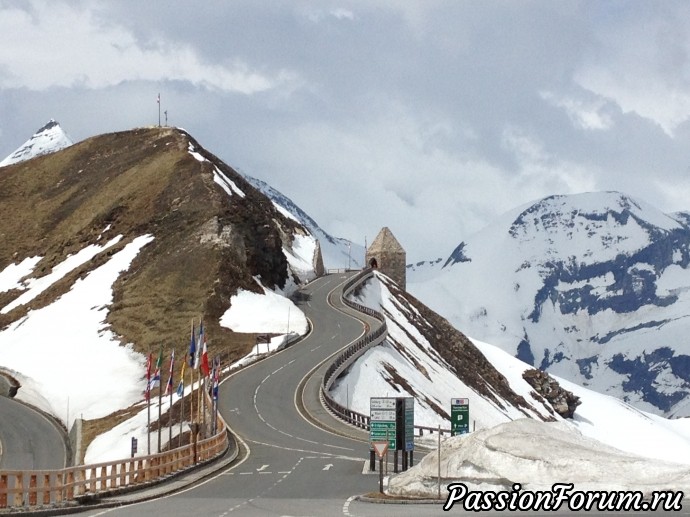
536 455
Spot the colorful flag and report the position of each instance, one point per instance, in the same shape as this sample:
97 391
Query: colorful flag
192 348
180 386
149 361
204 357
198 348
156 379
169 386
216 373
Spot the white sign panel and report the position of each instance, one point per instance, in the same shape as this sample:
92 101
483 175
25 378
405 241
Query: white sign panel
382 403
383 415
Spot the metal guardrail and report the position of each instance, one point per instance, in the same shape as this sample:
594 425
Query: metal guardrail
352 353
29 489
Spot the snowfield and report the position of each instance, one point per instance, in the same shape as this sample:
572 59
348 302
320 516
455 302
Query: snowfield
55 351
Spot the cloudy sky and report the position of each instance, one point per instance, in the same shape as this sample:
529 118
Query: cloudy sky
430 117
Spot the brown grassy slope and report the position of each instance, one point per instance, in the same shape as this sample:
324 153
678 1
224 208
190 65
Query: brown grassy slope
144 181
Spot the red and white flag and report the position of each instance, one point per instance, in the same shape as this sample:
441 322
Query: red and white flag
204 358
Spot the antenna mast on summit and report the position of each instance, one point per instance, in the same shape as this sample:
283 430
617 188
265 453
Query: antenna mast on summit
159 109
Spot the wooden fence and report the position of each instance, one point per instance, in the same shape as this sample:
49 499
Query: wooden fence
30 489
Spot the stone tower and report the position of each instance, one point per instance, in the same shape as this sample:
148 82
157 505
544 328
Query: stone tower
317 261
388 256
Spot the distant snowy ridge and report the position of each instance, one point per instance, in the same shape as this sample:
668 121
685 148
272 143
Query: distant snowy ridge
337 253
592 287
49 139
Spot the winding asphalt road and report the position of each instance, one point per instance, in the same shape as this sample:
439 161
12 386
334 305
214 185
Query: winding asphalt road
288 465
28 440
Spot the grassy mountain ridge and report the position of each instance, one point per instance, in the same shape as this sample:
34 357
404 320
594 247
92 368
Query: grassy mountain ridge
145 181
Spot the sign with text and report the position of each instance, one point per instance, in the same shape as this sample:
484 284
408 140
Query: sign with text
459 416
382 420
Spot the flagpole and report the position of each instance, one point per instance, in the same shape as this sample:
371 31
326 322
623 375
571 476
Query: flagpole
171 421
148 403
148 425
160 396
170 387
179 438
159 117
191 380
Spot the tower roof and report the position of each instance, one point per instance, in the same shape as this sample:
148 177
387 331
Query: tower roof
385 241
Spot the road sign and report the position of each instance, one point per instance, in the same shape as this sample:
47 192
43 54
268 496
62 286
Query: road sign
409 424
382 403
459 416
382 420
380 431
380 448
382 414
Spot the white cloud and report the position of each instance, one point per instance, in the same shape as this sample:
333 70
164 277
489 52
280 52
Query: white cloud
60 45
541 172
585 114
642 64
319 15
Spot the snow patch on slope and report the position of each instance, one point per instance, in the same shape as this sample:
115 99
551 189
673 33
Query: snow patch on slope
68 340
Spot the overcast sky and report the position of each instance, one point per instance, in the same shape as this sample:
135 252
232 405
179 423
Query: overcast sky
430 117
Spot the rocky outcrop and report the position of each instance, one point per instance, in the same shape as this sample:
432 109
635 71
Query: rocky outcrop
563 401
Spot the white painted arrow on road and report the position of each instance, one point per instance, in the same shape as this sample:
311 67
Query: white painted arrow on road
262 467
328 467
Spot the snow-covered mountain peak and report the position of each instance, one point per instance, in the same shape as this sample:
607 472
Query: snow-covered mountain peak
593 287
607 220
49 139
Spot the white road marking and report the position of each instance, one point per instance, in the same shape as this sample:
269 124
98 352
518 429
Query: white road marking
346 505
328 466
262 467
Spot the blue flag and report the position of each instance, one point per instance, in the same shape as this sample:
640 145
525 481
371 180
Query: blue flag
192 349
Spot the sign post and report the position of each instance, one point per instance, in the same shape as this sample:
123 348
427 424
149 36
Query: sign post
381 448
459 416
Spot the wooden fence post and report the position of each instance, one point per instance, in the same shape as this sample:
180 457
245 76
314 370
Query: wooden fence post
33 491
46 489
3 490
69 493
19 487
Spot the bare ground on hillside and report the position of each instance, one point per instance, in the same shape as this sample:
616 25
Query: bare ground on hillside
206 244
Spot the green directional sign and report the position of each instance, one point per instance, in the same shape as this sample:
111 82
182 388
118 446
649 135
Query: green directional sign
379 431
459 416
409 424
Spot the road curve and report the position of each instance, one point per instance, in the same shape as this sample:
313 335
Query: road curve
292 466
28 439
